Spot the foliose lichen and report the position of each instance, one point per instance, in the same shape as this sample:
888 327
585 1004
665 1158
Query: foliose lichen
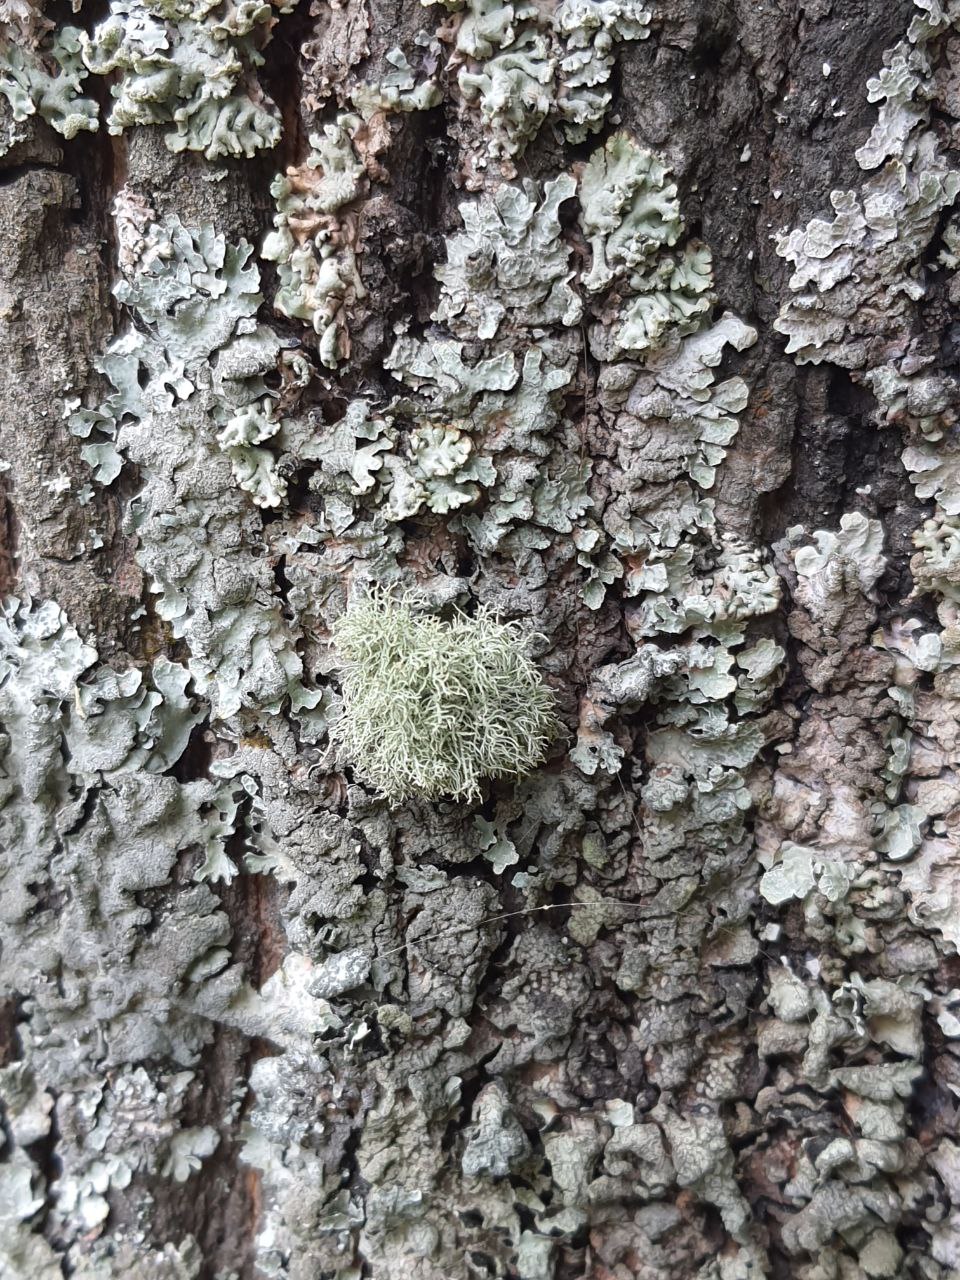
869 858
312 243
498 1092
189 63
196 361
41 73
509 264
630 216
518 65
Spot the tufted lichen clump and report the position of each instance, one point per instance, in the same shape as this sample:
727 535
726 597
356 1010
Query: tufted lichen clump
431 708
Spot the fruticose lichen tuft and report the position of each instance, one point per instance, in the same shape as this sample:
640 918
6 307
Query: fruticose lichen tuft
432 708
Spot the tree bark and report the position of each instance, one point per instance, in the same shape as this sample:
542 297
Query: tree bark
665 377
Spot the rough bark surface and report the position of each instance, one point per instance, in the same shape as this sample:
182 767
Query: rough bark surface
637 326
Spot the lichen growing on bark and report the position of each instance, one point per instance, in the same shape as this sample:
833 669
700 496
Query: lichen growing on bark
42 73
311 245
681 998
190 65
434 708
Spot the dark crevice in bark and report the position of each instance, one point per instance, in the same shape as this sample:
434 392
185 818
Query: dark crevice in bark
844 461
14 173
282 78
8 542
11 1050
197 757
220 1203
253 903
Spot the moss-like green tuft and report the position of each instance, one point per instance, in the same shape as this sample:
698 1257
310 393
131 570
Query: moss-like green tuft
430 707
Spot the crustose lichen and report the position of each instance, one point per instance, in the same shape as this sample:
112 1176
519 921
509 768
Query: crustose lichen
431 707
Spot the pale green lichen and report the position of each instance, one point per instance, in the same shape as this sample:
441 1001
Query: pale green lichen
674 406
123 721
433 708
438 370
936 566
514 92
42 76
510 265
801 870
854 276
83 797
194 292
73 740
851 556
589 32
901 89
189 64
523 65
631 216
377 470
622 687
192 434
442 472
935 473
397 90
498 849
629 209
715 591
537 485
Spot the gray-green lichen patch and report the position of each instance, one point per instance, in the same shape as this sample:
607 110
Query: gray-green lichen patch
509 264
519 65
869 861
440 473
190 406
189 64
629 209
589 32
630 216
936 566
398 90
41 72
673 423
855 276
839 311
99 829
